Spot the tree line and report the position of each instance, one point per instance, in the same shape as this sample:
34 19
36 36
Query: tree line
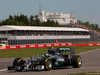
23 20
87 24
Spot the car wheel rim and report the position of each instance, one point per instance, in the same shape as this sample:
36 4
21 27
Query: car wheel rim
79 61
49 64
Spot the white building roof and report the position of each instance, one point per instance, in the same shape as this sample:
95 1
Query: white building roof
37 28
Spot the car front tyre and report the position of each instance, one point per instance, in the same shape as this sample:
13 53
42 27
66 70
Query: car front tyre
18 63
47 64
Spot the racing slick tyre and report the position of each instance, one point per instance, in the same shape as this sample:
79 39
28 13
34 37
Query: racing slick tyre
18 62
76 61
47 64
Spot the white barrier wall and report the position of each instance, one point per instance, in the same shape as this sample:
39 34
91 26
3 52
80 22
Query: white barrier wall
49 37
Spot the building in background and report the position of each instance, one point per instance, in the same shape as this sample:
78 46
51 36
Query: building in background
24 35
61 18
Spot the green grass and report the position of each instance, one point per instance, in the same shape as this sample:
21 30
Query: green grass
12 53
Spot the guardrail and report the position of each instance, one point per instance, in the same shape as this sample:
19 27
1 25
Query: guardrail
46 45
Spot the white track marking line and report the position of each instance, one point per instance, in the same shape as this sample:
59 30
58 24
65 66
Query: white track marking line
89 51
90 67
3 70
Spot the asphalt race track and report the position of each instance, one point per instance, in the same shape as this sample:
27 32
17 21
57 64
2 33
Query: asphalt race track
91 63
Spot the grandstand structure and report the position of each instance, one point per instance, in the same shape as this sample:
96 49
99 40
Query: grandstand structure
21 35
95 35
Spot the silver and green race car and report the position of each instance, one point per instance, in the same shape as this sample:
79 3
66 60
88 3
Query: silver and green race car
55 58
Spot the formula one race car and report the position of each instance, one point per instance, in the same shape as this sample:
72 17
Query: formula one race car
55 58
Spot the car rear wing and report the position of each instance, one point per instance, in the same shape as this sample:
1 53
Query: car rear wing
71 50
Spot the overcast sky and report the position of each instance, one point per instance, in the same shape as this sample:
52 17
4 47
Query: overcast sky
86 10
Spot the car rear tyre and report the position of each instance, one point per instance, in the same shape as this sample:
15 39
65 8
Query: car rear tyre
18 62
76 61
47 64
